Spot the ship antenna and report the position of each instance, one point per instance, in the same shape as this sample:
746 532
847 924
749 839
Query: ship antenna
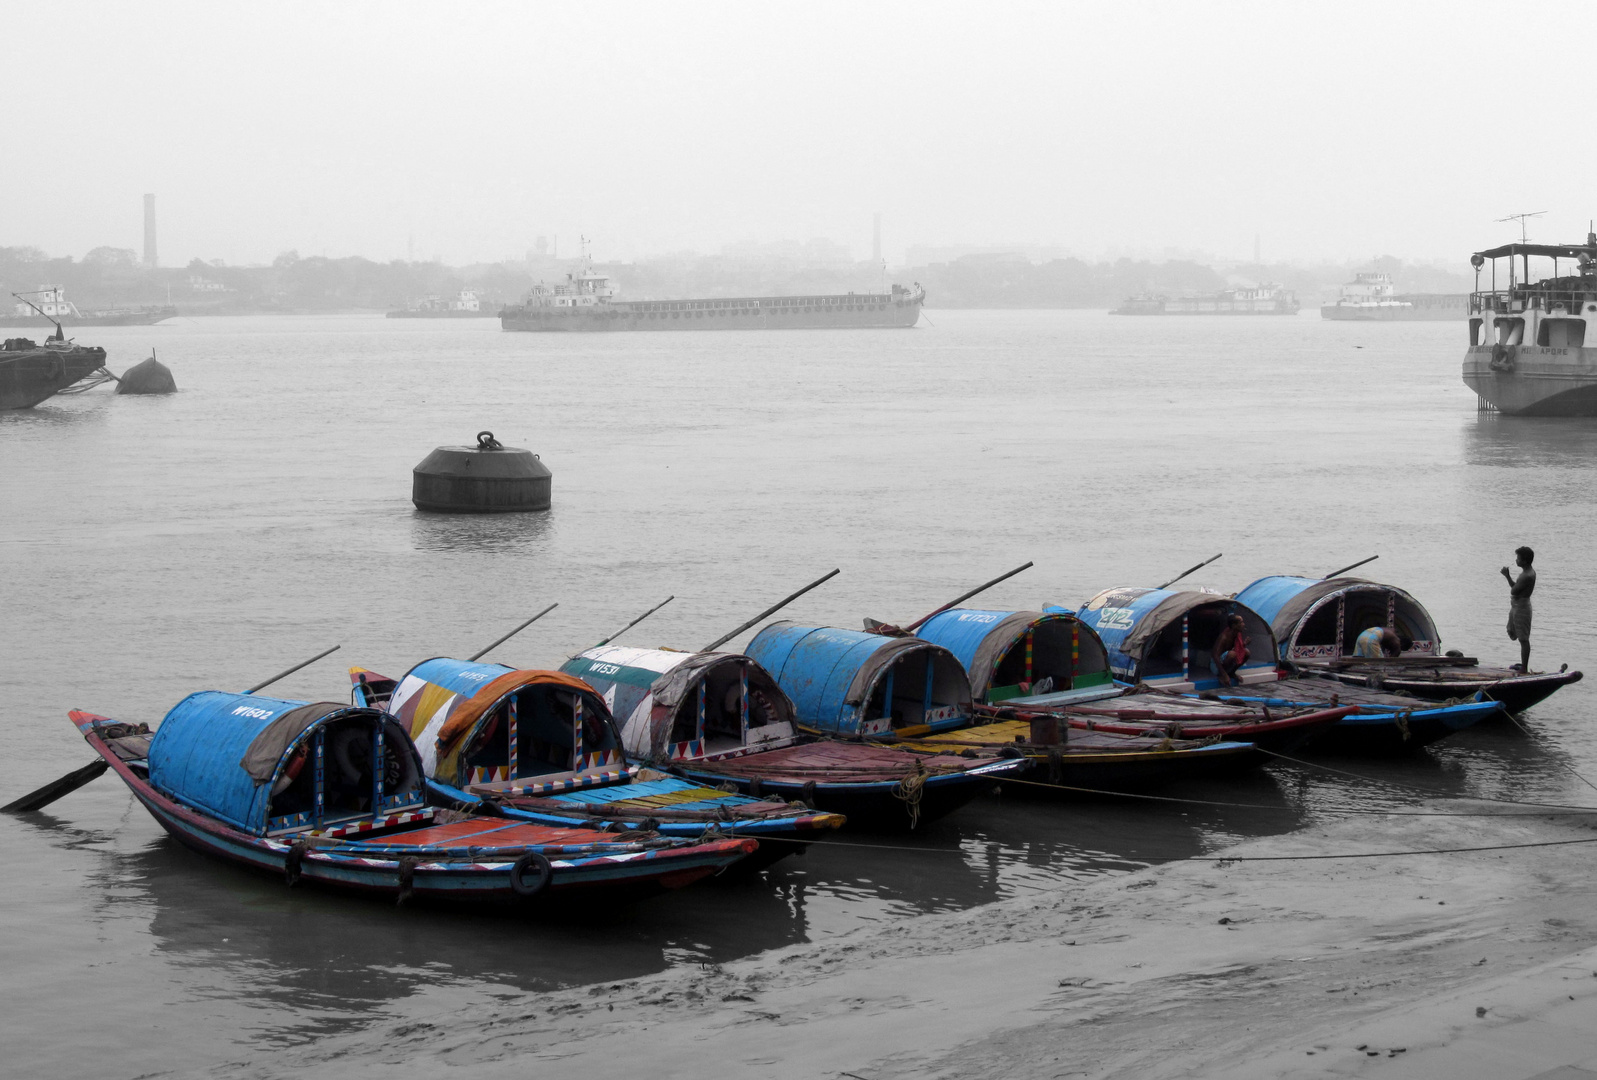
1522 218
60 334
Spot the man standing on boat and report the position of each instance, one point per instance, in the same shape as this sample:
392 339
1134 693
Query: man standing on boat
1519 603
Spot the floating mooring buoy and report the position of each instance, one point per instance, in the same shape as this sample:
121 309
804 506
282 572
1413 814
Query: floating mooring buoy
484 479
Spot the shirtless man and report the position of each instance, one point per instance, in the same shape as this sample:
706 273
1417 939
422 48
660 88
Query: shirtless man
1519 603
1230 652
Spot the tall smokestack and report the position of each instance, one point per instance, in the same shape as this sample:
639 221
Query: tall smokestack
876 238
149 231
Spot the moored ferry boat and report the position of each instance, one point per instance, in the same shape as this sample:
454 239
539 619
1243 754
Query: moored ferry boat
1257 300
1371 297
1529 351
53 306
587 301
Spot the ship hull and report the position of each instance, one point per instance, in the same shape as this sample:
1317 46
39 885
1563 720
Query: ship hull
865 313
29 376
1543 381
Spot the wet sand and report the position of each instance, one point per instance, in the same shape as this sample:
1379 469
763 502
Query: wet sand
1367 967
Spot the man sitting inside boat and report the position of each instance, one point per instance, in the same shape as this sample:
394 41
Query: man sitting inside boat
1379 641
1230 652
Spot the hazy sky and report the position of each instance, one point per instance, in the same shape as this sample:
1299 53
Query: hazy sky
1337 130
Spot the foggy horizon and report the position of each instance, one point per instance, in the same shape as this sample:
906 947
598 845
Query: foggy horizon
1154 131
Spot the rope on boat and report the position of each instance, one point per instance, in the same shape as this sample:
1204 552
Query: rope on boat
910 789
98 377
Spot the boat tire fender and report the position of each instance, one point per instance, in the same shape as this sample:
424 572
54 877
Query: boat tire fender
407 880
293 862
526 886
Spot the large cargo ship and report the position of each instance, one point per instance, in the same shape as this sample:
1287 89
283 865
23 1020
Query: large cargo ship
53 304
1371 297
587 301
1530 350
1259 300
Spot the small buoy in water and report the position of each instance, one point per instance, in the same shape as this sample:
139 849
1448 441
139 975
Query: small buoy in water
147 377
484 479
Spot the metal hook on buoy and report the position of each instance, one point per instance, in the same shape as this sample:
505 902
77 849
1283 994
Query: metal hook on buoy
486 441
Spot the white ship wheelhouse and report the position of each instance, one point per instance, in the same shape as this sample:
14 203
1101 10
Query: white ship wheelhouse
1554 312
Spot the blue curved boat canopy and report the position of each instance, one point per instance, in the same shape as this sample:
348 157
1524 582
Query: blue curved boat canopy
223 753
1320 618
856 683
1164 637
1064 651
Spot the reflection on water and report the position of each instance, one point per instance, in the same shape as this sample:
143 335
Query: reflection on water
481 533
1531 441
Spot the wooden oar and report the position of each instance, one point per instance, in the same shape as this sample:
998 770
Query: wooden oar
778 606
1193 570
290 671
636 621
66 785
966 596
480 653
52 791
1351 566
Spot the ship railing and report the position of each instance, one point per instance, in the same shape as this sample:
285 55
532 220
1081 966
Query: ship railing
1529 297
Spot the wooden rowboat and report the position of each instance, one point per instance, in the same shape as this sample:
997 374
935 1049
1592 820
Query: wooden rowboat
290 788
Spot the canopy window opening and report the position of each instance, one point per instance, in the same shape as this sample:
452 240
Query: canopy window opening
1052 656
1561 333
328 776
725 705
1184 648
1338 621
543 730
921 686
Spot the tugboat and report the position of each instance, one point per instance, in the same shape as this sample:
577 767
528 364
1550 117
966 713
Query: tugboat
1529 353
587 301
1371 297
29 373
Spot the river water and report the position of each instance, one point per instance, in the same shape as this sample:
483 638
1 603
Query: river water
150 547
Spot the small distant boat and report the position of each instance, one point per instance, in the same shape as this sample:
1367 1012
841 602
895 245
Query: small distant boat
1163 638
326 794
543 746
1257 300
466 305
721 718
1317 620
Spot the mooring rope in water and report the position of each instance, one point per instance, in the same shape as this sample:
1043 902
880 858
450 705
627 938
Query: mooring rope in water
1417 787
1549 812
1570 768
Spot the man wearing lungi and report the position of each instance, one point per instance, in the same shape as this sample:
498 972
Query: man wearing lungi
1519 603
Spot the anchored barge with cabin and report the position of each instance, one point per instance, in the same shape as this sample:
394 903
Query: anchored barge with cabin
587 301
1529 353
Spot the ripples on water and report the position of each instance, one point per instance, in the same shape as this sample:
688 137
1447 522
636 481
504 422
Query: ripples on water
156 546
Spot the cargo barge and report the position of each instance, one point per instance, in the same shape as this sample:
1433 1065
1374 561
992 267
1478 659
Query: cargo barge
587 302
1259 300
